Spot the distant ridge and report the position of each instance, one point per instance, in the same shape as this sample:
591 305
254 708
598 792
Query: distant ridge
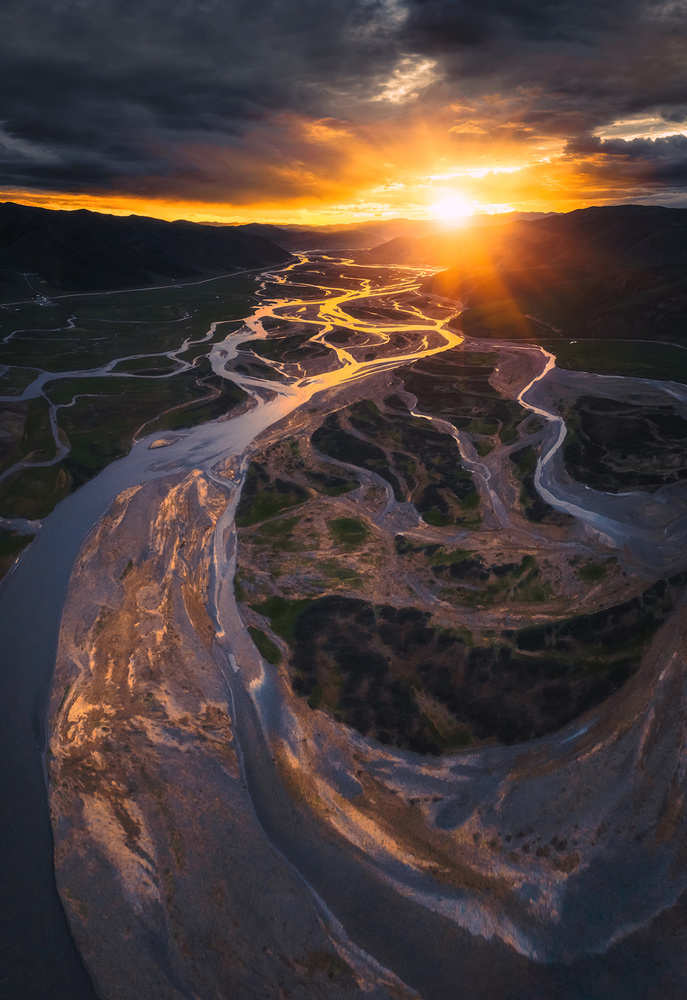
88 251
346 237
365 235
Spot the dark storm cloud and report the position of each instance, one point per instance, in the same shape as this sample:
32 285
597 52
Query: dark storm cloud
100 94
601 57
675 115
452 24
659 161
579 64
109 88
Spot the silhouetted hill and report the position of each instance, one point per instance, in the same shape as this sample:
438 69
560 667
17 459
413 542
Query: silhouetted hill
607 272
309 238
87 251
340 237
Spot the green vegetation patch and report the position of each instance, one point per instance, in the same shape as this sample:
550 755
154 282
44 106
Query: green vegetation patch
332 486
348 531
591 570
483 426
535 508
278 534
468 579
478 585
436 517
282 613
277 530
265 646
532 589
34 491
263 497
435 553
11 544
484 446
335 571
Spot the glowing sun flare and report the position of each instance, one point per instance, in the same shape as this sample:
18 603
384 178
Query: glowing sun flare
453 208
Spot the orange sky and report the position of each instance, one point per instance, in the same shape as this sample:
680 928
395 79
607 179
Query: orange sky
315 113
328 171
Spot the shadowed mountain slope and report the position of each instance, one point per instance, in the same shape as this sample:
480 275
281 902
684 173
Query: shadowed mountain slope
87 251
609 272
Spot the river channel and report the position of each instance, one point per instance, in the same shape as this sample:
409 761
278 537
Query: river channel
426 944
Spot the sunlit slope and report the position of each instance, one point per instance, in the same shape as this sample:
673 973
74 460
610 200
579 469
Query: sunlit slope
86 251
609 272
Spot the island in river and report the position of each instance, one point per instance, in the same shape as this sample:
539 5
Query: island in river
375 683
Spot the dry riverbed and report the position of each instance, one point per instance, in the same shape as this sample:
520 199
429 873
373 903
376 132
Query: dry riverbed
157 848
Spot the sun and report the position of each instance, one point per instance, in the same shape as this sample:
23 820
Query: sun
452 209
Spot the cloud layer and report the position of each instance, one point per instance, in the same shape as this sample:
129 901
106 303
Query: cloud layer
258 102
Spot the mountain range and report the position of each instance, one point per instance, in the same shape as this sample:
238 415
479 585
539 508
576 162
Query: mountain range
366 235
86 251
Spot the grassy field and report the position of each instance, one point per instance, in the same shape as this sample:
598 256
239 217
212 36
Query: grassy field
99 416
107 327
636 358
